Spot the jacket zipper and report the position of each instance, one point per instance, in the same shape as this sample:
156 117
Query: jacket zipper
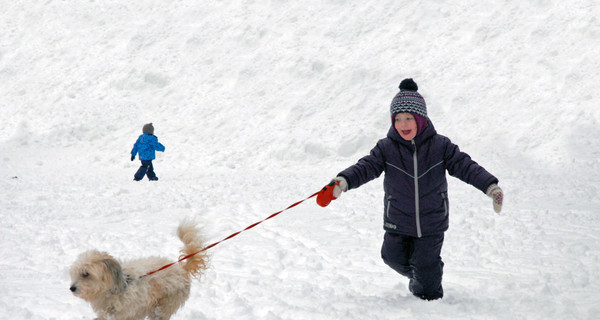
387 211
416 174
445 198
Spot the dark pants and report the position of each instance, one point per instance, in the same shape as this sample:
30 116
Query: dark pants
417 259
145 169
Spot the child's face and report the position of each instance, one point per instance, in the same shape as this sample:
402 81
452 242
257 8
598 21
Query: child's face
406 125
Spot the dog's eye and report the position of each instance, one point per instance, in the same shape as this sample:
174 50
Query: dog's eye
85 274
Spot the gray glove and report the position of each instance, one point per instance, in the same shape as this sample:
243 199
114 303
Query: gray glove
494 192
343 186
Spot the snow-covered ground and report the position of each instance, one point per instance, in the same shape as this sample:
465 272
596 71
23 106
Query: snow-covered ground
259 104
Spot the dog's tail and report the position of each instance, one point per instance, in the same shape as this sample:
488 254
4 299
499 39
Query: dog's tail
190 236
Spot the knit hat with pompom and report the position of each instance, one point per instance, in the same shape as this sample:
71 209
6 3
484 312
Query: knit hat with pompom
148 128
408 100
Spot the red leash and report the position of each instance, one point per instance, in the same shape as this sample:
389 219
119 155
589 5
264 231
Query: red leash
231 236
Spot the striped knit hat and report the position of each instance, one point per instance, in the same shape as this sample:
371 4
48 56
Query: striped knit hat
410 101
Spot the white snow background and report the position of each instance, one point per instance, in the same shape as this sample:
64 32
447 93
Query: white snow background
261 103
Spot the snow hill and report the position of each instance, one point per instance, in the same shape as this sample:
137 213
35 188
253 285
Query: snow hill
259 104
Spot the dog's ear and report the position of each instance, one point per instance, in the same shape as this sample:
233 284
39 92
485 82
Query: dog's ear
116 274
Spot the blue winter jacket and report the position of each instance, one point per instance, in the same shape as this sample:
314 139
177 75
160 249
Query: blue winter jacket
145 145
416 190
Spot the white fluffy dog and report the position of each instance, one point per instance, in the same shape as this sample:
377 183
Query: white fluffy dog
116 290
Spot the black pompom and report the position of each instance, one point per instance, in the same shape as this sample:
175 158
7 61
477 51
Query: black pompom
408 85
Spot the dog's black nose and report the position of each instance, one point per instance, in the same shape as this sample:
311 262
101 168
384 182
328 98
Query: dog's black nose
73 288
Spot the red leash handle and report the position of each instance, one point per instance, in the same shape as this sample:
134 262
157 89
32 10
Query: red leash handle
325 196
232 235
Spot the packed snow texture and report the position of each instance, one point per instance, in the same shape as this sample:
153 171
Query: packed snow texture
261 103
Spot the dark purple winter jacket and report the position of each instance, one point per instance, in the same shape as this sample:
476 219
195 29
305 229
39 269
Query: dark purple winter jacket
416 190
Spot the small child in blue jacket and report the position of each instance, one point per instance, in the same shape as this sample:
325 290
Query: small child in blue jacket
145 145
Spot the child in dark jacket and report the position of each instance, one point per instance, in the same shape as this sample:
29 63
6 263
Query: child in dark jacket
145 145
415 159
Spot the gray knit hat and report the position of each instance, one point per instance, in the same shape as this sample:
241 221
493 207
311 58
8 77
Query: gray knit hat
408 99
148 128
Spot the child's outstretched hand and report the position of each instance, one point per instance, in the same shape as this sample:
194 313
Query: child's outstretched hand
132 157
332 191
497 196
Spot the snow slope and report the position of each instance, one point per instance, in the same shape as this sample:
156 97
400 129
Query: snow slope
259 104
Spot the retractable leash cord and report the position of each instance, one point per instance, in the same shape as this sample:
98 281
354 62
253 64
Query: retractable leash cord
324 197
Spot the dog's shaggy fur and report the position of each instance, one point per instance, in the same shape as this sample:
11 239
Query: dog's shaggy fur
115 290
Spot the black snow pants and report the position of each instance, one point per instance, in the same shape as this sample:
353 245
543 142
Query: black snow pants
417 259
145 169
